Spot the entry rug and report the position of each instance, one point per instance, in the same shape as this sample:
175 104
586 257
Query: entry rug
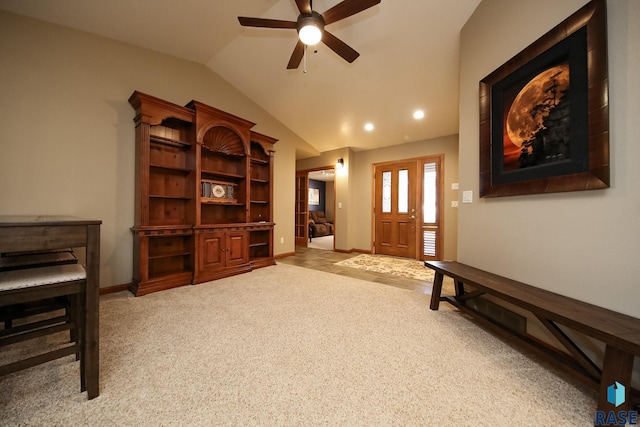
402 267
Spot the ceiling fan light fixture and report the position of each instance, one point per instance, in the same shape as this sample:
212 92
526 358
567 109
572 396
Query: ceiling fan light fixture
310 35
310 29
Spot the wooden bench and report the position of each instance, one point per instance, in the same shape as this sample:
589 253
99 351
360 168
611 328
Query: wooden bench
620 333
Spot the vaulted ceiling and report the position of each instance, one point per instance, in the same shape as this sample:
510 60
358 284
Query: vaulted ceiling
408 60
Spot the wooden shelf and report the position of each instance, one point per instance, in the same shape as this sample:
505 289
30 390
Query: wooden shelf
170 255
223 174
169 142
220 202
171 168
157 196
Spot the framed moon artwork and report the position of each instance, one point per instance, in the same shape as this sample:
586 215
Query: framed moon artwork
544 115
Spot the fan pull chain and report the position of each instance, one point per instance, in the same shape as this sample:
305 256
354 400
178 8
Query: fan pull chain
304 70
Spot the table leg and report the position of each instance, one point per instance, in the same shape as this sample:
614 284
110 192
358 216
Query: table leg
92 313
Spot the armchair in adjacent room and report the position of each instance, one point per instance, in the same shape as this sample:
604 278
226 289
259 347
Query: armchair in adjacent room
319 225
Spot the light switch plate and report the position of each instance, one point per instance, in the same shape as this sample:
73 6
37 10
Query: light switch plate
454 186
467 196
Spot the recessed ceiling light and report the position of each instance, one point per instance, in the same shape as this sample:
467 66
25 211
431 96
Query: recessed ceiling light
418 114
368 127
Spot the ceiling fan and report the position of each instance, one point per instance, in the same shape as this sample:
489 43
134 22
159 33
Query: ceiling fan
310 26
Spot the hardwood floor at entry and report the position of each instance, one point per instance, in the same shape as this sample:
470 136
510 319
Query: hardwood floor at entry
318 259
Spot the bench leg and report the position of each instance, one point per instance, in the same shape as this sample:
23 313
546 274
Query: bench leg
437 290
459 288
617 366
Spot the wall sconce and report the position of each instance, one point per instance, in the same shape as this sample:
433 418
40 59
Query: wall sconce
340 164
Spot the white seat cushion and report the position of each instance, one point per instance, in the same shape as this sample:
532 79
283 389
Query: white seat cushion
32 277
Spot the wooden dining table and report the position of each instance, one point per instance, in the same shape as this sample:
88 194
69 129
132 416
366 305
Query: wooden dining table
20 233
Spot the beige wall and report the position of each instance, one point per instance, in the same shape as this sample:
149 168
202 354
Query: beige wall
67 135
330 195
356 180
582 244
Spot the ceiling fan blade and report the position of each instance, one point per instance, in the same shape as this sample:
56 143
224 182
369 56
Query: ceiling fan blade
347 8
296 56
266 23
304 6
339 47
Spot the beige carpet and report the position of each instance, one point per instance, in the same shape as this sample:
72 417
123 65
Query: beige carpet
395 266
290 346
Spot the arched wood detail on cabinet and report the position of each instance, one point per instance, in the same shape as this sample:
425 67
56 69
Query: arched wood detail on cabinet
224 140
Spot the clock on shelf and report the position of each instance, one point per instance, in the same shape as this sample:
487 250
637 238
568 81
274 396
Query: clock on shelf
217 191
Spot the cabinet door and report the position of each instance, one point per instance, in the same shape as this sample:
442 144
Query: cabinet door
237 248
212 253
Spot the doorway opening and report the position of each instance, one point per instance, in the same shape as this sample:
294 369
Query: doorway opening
315 208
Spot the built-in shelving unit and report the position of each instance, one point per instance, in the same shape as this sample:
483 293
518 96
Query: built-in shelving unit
260 199
203 195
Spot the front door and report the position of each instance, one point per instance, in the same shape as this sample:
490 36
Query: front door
396 198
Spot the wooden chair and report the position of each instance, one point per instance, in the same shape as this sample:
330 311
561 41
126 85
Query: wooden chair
38 284
21 260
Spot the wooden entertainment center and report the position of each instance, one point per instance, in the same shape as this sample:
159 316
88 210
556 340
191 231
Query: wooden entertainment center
203 195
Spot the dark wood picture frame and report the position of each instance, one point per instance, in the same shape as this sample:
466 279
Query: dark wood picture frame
569 154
